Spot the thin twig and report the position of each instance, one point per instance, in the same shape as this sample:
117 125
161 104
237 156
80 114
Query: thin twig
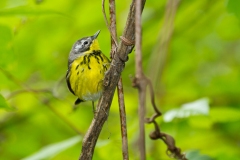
123 120
108 26
112 27
138 41
157 112
119 85
172 150
140 82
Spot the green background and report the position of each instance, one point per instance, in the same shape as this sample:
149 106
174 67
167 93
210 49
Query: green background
203 61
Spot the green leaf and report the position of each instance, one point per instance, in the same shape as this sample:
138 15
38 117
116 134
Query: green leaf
3 103
53 149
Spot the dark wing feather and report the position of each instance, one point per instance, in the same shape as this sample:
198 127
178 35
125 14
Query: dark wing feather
68 81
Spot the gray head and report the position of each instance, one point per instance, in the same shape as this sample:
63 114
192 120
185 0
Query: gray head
83 45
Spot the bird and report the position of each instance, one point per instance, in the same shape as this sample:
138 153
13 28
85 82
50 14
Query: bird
87 66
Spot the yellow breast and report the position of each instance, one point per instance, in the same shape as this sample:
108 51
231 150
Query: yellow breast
86 75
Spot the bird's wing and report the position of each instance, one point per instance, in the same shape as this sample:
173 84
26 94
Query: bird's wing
68 81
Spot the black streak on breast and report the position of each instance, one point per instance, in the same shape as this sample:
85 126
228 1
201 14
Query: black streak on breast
77 67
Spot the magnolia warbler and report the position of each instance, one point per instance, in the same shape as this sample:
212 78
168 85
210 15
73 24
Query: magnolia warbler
86 69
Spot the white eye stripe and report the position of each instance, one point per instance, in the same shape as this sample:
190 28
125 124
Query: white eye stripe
77 47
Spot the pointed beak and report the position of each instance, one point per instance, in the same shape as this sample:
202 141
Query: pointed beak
96 34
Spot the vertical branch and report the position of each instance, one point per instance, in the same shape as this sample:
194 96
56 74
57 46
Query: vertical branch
112 27
123 120
138 41
119 85
139 80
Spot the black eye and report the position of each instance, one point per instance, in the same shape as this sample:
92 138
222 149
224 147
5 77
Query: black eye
85 43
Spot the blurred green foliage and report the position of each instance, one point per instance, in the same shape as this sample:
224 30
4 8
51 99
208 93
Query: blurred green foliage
203 61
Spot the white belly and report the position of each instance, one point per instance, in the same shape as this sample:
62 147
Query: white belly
92 97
